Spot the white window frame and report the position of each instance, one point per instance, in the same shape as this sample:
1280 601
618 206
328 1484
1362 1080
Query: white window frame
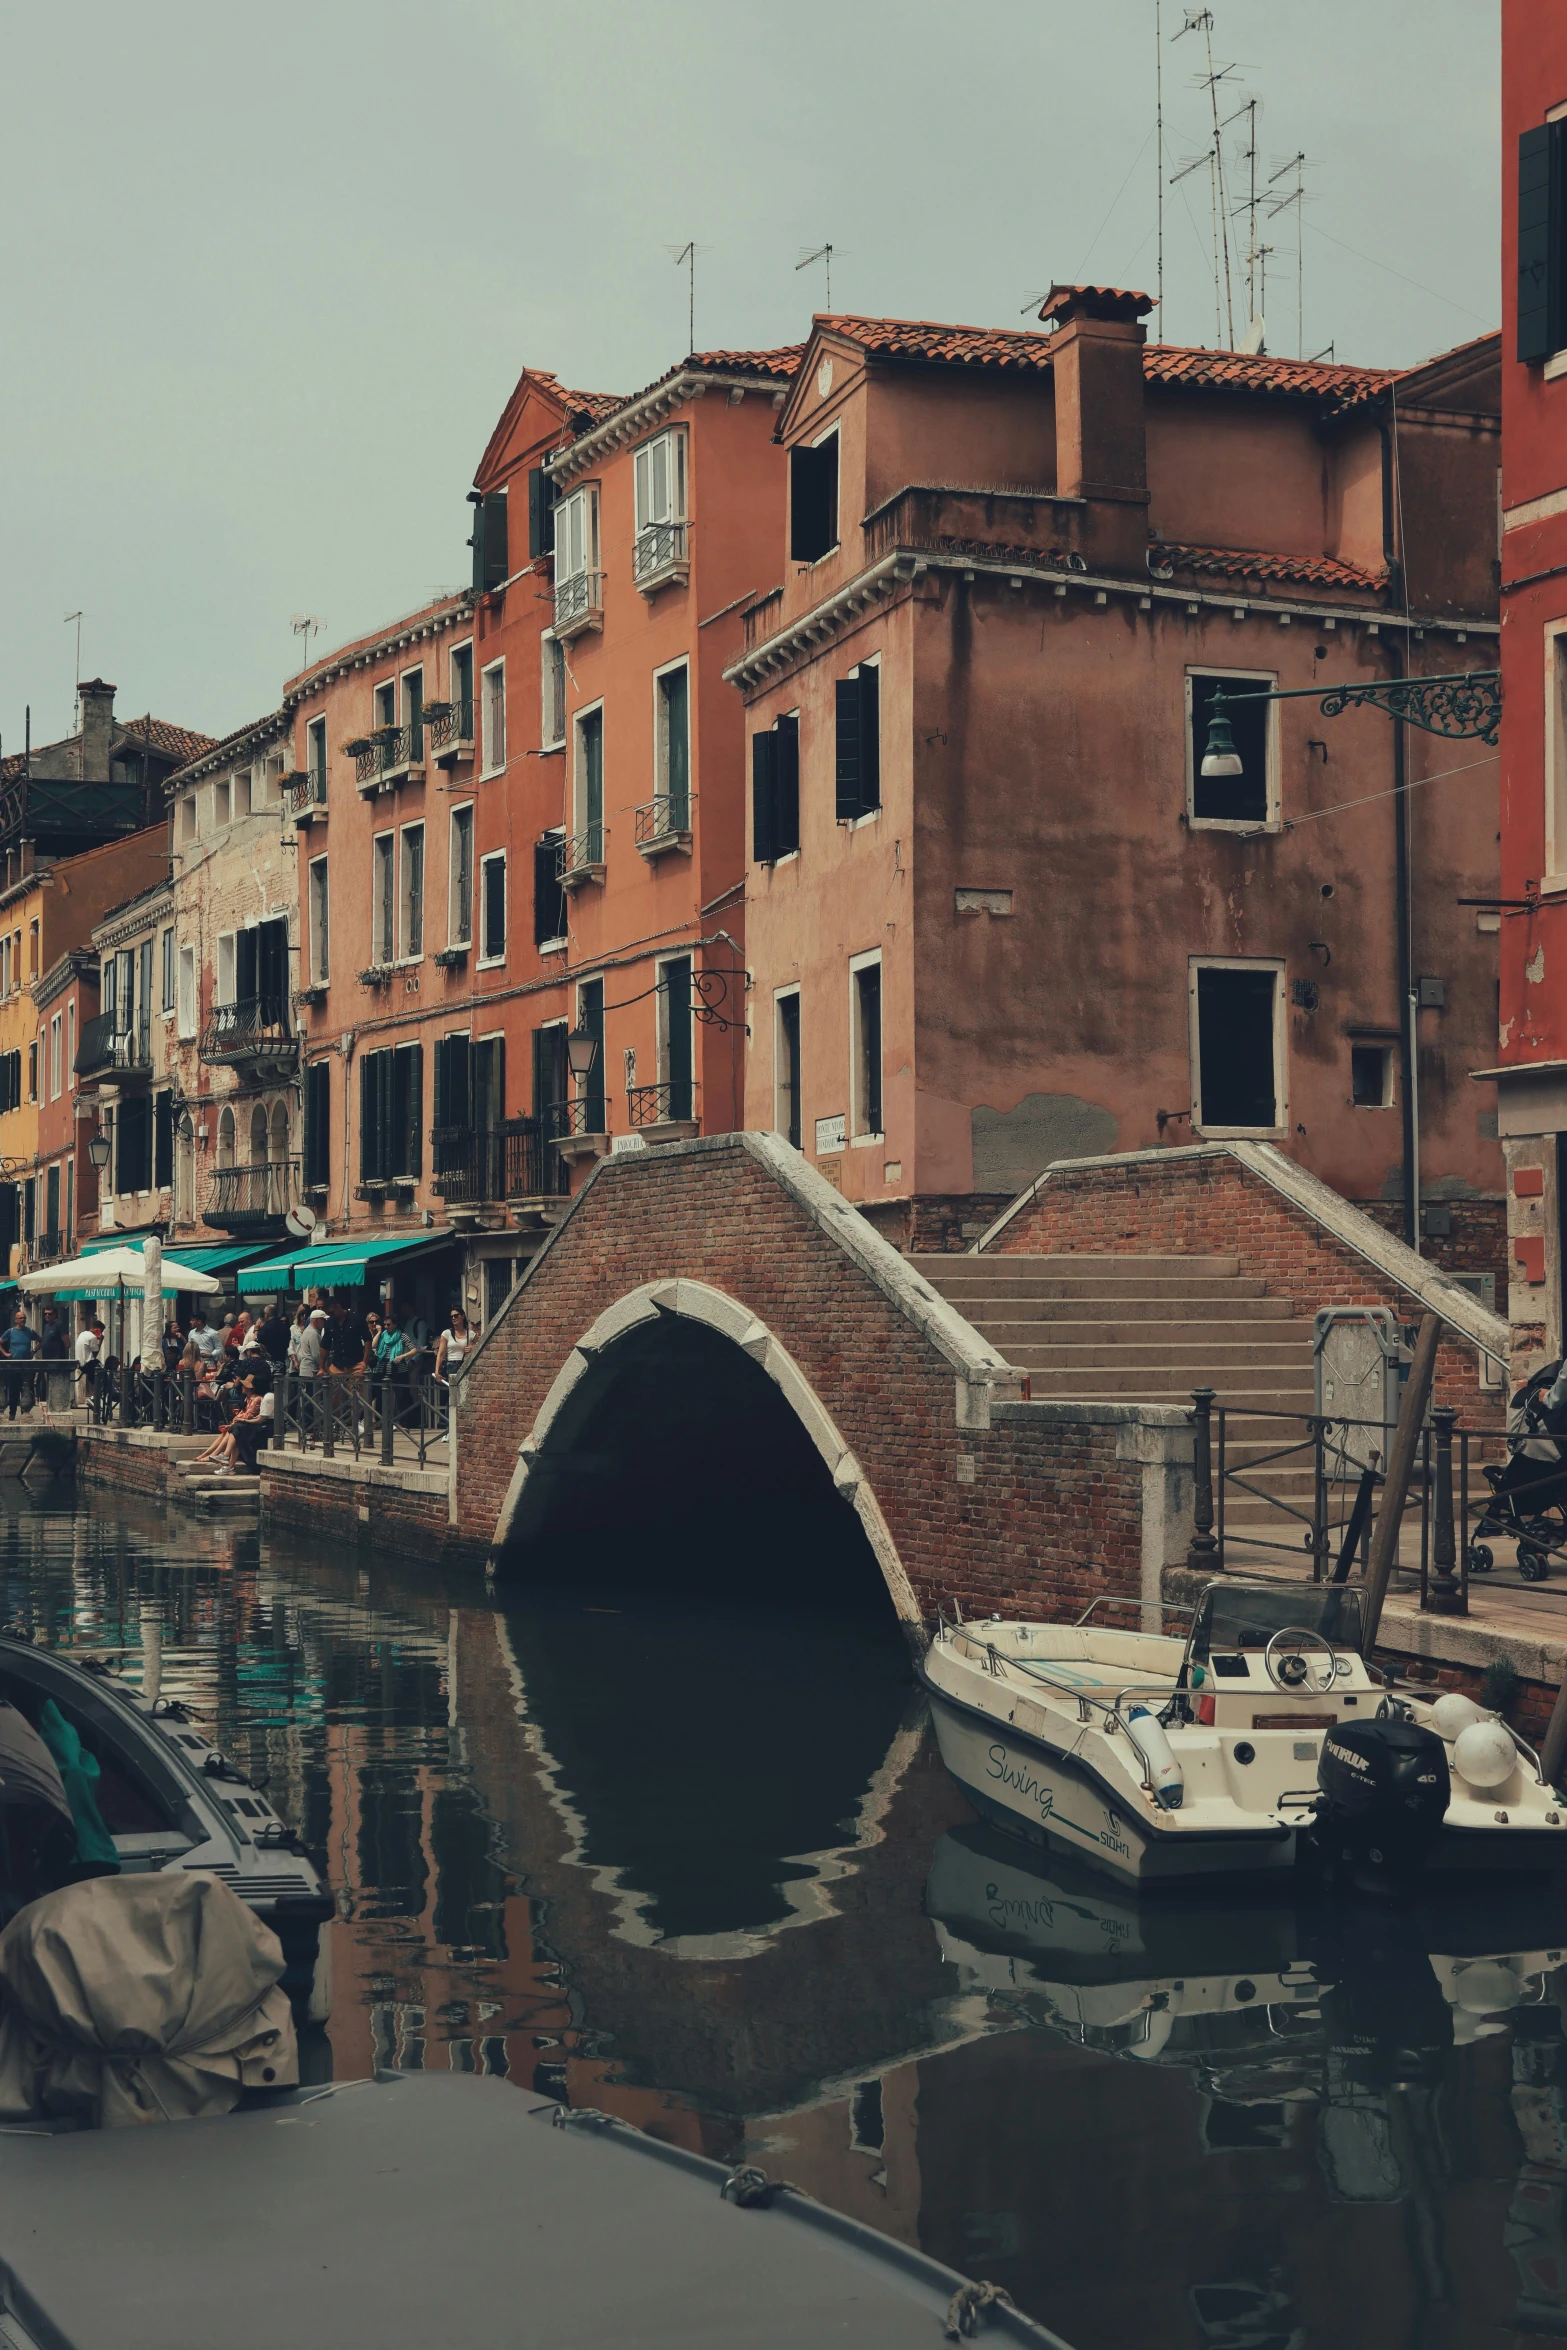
491 962
1385 1045
455 936
70 1048
402 690
660 746
1281 1105
673 442
186 1003
489 764
1273 821
661 1038
226 969
552 692
464 645
781 995
315 733
189 823
407 952
863 1136
1555 878
222 802
383 950
242 798
577 515
168 971
319 907
383 703
833 432
579 767
56 1055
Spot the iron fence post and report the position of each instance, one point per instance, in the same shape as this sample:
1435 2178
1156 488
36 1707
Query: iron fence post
187 1403
280 1409
1319 1499
1204 1551
157 1396
388 1422
1443 1598
329 1421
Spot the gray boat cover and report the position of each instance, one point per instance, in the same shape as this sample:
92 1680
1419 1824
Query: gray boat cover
140 1999
28 1771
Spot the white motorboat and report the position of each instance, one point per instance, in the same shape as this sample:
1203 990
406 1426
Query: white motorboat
1259 1739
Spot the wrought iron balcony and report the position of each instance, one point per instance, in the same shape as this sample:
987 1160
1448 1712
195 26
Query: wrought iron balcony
304 790
664 823
662 1105
582 856
534 1169
243 1197
570 1121
467 1166
449 726
380 758
106 1050
256 1029
658 556
579 603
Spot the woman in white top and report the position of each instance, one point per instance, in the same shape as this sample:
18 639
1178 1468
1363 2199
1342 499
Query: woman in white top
454 1344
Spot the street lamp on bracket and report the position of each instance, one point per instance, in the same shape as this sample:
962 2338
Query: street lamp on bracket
1466 707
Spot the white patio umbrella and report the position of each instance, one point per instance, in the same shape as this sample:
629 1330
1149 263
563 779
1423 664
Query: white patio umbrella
117 1268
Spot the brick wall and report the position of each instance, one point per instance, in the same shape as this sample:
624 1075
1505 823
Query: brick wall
113 1459
1029 1514
1477 1242
1218 1207
348 1509
936 1222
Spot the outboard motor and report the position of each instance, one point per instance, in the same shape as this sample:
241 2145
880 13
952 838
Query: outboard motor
1385 1790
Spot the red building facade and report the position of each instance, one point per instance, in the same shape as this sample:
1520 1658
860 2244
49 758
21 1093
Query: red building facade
1531 1074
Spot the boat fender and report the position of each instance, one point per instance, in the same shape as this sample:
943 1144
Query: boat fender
1165 1775
1454 1713
1485 1755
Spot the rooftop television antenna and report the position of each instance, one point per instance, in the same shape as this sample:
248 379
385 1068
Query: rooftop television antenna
1200 20
819 253
76 698
305 625
685 258
1296 197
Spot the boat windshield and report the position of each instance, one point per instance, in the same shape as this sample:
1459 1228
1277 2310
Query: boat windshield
1248 1615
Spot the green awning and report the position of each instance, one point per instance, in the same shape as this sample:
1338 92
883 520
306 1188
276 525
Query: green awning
333 1264
197 1260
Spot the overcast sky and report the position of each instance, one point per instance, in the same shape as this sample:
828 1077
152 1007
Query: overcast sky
270 272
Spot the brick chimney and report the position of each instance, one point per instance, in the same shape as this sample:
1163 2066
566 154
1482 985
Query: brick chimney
97 700
1096 360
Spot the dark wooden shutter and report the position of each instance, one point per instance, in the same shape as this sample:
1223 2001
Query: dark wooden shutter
318 1114
541 513
272 967
410 1058
786 768
246 966
476 539
813 501
1539 241
162 1140
764 798
549 899
496 568
370 1163
488 1083
493 909
850 803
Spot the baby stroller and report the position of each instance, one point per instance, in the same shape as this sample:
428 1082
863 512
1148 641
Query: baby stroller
1529 1496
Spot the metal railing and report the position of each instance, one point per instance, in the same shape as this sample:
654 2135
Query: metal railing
396 1416
1450 1497
534 1169
449 724
665 817
305 789
387 752
656 1105
104 1046
583 1115
466 1164
581 852
579 599
256 1194
253 1029
658 547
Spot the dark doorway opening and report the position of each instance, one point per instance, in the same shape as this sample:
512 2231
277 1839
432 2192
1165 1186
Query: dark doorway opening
1235 1046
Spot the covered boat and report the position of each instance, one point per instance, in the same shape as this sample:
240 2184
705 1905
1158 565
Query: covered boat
150 1789
1258 1739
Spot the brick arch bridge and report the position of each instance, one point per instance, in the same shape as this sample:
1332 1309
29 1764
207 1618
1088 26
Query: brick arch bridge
729 1264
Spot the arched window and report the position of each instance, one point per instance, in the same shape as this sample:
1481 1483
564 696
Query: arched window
279 1130
225 1137
258 1136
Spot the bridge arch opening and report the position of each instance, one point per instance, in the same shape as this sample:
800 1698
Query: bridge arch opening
675 1461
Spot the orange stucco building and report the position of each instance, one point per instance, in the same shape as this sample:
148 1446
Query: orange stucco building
995 914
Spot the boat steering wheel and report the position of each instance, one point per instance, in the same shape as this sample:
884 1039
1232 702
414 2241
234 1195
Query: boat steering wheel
1294 1665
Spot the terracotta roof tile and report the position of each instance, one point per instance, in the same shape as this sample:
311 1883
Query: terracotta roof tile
1163 363
596 405
180 743
1240 563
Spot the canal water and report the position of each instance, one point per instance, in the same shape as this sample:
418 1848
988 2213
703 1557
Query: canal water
695 1860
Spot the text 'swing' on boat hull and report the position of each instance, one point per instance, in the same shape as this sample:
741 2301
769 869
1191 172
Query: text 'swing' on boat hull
416 2210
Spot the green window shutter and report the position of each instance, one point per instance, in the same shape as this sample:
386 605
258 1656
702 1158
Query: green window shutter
496 568
541 513
318 1112
162 1141
411 1057
870 738
849 802
786 768
370 1170
1539 240
476 539
764 798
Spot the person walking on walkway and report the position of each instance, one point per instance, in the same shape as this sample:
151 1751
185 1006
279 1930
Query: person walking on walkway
89 1341
21 1344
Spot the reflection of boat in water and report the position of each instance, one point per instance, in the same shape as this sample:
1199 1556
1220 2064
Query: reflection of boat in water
170 1800
715 1769
1348 2010
1229 1754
